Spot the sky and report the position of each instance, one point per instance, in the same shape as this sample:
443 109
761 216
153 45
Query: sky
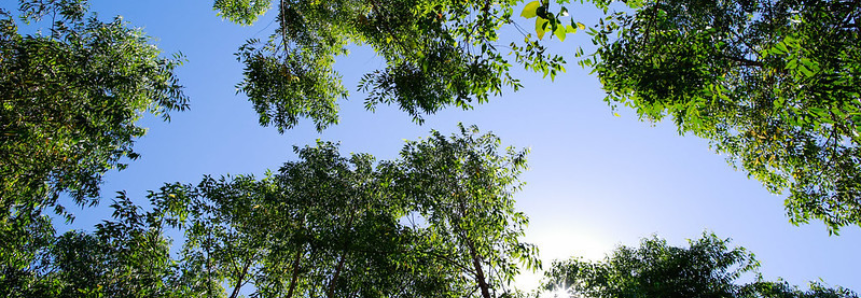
595 180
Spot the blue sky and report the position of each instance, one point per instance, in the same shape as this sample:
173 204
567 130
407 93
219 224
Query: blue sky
595 180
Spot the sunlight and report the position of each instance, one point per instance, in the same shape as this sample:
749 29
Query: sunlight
561 243
561 291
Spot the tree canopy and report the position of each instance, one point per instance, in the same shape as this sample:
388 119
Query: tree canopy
706 268
324 226
71 98
437 54
69 102
772 84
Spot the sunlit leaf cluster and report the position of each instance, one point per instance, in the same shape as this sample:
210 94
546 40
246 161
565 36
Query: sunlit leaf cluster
773 84
438 223
70 98
437 54
707 267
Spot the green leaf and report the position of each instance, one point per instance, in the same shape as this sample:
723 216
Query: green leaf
560 34
570 29
781 48
530 10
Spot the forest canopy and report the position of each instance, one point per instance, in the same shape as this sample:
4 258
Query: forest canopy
772 84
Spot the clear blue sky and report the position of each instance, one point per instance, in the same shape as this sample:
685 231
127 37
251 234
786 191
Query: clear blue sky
595 180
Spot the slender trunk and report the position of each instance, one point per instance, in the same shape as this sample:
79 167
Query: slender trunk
241 277
208 263
296 260
295 272
479 273
476 259
331 292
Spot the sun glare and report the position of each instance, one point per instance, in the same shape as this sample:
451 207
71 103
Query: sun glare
560 291
561 244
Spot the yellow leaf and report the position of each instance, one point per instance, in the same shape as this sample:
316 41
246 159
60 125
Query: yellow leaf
581 26
530 9
539 27
616 114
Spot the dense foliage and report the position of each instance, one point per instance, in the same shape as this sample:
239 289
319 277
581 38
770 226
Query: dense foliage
437 54
71 97
773 84
706 268
439 223
69 100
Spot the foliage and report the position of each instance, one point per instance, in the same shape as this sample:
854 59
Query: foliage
70 100
463 188
437 53
773 84
707 268
439 223
546 20
320 228
128 257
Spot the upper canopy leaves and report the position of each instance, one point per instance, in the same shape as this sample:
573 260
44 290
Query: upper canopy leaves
69 102
439 223
773 84
437 53
706 268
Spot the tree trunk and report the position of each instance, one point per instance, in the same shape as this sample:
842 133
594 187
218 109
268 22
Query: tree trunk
295 272
479 272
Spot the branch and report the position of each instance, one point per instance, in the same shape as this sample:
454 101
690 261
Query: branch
479 273
745 61
241 277
296 263
333 282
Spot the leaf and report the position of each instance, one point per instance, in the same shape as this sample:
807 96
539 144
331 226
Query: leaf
530 10
560 34
570 29
781 48
805 71
581 26
540 23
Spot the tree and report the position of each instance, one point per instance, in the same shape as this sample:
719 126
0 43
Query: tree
437 53
320 228
69 100
332 226
707 268
772 84
463 188
128 257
